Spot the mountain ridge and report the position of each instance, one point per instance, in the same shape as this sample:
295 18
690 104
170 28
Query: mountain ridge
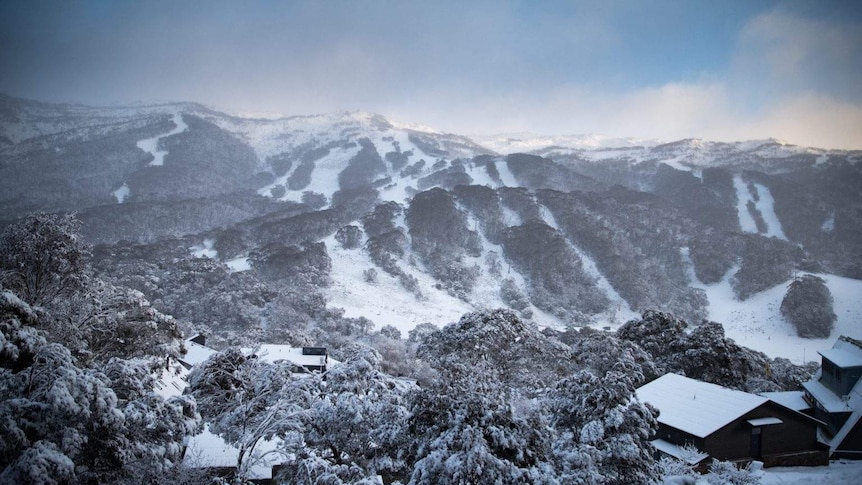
564 235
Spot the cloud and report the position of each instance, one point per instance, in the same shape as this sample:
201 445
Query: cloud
778 54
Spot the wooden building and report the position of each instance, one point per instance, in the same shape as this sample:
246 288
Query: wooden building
835 394
732 425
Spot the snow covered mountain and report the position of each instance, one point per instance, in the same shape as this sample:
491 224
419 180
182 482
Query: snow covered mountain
364 219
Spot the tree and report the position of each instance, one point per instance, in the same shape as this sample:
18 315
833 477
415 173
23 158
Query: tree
245 400
523 356
68 421
43 257
465 429
603 431
352 425
808 305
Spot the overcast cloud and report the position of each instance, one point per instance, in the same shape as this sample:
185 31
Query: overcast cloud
657 69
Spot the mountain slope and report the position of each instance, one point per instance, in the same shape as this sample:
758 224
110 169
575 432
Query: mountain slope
297 212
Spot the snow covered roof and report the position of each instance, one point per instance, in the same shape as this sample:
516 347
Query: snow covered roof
696 407
764 421
842 357
691 456
824 396
196 353
172 381
274 353
794 400
209 450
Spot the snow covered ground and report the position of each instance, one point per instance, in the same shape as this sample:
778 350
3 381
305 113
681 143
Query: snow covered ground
757 322
151 145
837 473
388 303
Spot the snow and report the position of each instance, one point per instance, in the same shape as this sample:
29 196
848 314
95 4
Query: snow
764 421
122 193
486 291
272 353
689 456
237 265
757 322
506 175
324 177
746 222
675 164
794 400
209 450
196 353
204 250
829 223
151 145
837 473
766 206
530 142
825 397
842 358
388 303
480 176
696 407
171 381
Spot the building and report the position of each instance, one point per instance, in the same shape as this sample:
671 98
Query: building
727 424
835 394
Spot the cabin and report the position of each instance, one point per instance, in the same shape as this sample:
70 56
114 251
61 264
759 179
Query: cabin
835 394
699 421
306 359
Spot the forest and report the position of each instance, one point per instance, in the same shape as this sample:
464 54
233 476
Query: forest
488 399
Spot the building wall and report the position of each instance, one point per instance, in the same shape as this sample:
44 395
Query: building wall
851 447
678 437
796 433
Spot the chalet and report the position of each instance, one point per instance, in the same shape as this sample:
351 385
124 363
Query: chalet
727 424
306 359
835 394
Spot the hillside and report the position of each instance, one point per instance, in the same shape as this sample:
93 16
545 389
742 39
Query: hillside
296 227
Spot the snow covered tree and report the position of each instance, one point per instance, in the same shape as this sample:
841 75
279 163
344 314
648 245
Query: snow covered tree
603 431
600 352
68 421
465 429
351 425
245 400
808 305
43 257
522 355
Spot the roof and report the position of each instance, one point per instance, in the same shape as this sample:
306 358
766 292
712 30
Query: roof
274 353
824 396
172 381
696 407
196 353
794 400
842 357
209 450
692 456
764 421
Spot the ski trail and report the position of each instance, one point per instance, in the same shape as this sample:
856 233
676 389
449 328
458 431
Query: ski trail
746 222
151 145
589 265
122 193
765 205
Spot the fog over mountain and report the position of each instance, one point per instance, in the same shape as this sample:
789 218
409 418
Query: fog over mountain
358 216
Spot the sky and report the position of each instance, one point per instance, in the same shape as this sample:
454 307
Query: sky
666 69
